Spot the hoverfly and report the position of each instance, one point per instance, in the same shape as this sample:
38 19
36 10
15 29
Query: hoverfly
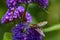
37 27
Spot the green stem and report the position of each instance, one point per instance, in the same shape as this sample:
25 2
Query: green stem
23 16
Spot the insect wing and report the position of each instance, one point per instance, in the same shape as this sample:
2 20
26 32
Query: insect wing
40 31
42 23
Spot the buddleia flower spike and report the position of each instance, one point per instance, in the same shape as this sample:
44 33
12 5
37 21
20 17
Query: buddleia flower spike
42 3
24 1
11 3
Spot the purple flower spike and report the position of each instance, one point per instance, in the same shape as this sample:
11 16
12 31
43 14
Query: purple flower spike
11 3
24 1
42 3
18 31
7 17
12 14
28 17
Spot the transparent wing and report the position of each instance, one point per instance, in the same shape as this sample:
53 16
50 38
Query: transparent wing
40 31
42 23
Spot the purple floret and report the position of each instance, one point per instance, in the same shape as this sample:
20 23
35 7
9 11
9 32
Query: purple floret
12 14
28 17
32 34
11 3
42 3
24 1
7 17
18 31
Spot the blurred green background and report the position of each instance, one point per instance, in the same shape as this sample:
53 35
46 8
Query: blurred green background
51 14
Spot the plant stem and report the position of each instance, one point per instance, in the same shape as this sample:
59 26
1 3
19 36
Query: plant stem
24 14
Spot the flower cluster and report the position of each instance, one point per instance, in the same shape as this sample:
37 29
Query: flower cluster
12 3
15 3
12 14
17 31
24 1
22 30
29 34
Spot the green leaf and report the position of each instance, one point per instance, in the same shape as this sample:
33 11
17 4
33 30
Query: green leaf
52 28
7 36
52 33
37 13
3 7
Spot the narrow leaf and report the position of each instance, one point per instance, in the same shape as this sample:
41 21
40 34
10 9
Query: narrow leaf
52 28
7 36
